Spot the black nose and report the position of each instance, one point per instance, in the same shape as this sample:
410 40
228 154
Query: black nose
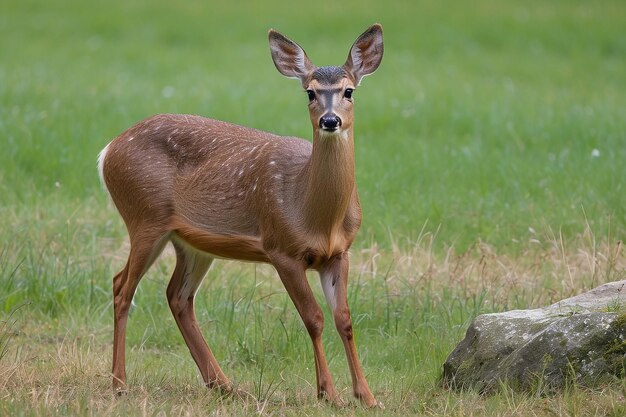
330 122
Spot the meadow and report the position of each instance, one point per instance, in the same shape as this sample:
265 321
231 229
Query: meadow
490 160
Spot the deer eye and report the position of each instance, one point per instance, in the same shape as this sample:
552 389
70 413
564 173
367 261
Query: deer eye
311 94
348 93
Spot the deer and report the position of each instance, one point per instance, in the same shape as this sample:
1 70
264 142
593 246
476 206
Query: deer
218 190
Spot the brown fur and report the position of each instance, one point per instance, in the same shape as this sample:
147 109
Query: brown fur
220 190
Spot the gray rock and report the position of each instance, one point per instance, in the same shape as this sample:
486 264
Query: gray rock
581 339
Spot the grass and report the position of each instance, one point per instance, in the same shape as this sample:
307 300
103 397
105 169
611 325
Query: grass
489 161
410 307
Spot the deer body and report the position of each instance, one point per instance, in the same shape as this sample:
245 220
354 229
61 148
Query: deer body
215 189
206 182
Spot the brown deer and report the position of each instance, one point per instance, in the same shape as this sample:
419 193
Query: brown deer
216 189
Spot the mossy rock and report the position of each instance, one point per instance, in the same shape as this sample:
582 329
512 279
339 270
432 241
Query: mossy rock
581 339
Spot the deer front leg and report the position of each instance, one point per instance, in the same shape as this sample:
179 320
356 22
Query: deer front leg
292 274
334 278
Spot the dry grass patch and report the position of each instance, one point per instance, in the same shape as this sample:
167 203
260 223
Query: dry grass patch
411 304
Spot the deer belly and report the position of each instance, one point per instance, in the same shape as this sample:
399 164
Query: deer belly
231 246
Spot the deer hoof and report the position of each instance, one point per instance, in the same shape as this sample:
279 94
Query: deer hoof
335 400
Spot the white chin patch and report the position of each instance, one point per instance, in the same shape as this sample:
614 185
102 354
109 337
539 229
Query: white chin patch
335 134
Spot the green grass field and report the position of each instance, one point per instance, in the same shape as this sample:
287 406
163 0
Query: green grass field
490 151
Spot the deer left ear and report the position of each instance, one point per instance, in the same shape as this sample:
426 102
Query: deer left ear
289 57
366 53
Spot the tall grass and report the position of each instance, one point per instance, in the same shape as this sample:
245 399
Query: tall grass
410 306
489 162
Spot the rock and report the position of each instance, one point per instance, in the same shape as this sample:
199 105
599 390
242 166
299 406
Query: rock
581 339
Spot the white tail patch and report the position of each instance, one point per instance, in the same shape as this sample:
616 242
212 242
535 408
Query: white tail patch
101 157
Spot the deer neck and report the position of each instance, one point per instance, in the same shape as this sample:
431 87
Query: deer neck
328 183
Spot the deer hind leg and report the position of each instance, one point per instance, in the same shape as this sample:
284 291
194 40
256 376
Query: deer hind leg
334 279
191 267
144 249
292 274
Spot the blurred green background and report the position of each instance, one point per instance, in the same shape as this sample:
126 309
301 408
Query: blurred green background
487 119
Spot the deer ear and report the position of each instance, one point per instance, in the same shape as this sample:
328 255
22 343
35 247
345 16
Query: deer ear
366 53
289 58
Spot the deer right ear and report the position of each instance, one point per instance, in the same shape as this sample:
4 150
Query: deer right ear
366 53
289 58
